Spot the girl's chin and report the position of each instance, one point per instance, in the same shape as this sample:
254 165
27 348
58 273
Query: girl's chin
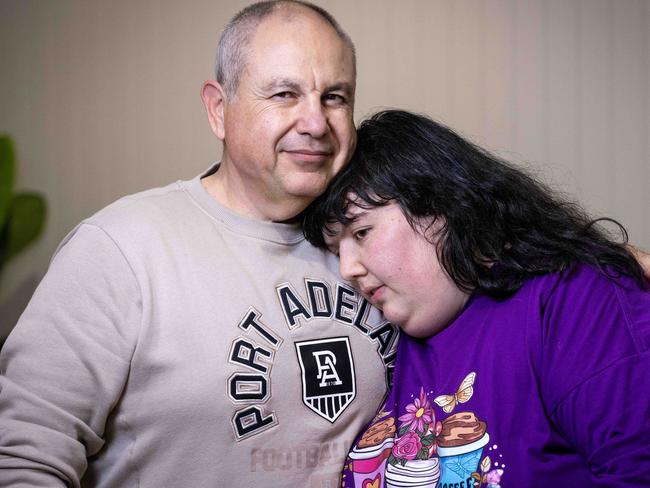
422 328
415 326
397 320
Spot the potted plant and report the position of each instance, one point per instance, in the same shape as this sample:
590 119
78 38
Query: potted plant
22 214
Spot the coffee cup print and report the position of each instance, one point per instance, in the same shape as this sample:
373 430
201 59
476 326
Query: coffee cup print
369 455
413 474
460 446
369 463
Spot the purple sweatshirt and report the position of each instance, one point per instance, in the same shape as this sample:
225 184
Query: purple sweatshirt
549 388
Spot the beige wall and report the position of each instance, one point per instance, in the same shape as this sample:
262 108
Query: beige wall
102 95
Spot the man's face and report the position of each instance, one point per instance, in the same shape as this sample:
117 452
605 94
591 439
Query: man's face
289 128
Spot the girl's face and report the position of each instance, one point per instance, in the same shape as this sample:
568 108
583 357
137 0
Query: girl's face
396 269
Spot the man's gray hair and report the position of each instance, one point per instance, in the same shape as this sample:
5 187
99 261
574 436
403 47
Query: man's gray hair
232 50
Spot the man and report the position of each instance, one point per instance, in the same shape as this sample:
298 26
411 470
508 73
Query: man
188 336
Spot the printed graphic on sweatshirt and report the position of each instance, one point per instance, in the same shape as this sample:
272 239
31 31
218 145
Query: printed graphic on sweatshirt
328 381
326 366
416 450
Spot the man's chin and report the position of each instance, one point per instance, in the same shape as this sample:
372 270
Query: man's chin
308 187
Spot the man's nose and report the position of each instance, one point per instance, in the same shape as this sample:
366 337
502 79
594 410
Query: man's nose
312 118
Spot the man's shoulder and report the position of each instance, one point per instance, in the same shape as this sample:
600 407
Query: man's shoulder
143 208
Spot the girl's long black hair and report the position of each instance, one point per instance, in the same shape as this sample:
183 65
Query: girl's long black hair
493 213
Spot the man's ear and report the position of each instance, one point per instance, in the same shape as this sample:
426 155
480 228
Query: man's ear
214 98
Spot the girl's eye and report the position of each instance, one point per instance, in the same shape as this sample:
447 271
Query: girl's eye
361 233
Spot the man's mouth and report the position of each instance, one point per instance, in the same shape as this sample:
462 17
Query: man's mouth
310 154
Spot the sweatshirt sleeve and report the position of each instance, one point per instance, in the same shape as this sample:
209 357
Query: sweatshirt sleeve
65 364
596 381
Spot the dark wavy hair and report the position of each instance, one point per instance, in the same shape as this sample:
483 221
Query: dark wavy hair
493 213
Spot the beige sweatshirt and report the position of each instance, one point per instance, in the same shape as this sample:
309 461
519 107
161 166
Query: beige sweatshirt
174 343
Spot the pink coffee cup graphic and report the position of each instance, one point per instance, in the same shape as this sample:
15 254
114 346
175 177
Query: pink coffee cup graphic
369 463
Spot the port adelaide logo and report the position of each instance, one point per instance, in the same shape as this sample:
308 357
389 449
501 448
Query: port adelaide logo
328 382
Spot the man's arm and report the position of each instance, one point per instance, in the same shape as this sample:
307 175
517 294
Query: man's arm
66 362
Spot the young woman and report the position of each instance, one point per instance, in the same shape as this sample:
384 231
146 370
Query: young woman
527 348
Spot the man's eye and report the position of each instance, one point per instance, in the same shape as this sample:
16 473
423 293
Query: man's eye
335 98
283 95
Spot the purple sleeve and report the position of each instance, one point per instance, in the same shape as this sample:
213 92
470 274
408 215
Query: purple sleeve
595 374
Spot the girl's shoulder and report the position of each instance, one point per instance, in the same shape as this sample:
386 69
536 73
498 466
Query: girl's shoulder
586 283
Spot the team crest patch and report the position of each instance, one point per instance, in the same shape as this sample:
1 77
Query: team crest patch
328 382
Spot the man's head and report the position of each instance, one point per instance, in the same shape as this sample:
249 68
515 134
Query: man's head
236 36
283 108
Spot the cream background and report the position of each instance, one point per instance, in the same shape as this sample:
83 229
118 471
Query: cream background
102 96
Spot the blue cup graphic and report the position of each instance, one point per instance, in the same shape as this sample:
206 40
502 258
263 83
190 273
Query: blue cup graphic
458 463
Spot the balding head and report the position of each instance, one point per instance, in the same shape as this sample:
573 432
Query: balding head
233 48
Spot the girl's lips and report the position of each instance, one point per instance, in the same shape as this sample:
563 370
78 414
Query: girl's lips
376 294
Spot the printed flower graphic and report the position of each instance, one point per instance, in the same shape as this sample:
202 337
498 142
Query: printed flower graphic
408 446
416 436
419 414
493 478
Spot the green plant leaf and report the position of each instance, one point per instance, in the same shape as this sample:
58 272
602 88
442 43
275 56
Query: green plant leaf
404 429
7 175
427 440
423 454
25 222
393 460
